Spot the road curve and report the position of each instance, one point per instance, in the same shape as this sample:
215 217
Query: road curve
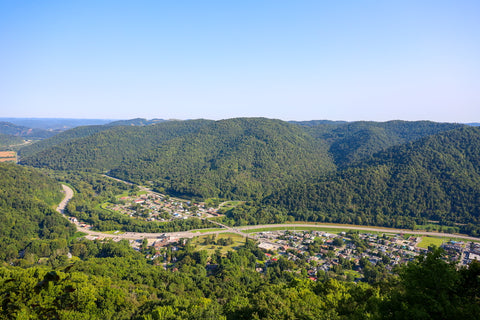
68 196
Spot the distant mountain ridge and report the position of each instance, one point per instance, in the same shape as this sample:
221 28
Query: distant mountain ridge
21 131
54 124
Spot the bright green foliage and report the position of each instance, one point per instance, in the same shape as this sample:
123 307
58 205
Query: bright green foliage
435 178
394 173
431 288
27 219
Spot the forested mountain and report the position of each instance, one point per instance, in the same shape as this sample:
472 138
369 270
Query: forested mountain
7 140
61 138
235 157
434 178
28 222
395 173
110 146
81 132
354 141
246 158
231 158
20 131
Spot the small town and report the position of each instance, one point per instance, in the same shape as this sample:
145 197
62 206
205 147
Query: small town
351 255
153 206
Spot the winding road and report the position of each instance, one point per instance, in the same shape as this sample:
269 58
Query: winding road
240 230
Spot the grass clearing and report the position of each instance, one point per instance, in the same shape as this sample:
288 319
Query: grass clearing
438 241
237 239
429 241
232 203
77 235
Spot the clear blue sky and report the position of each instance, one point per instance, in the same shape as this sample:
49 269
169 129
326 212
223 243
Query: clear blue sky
291 60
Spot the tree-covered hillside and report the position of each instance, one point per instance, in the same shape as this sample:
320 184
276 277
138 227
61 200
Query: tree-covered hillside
229 158
20 131
107 149
393 173
355 141
245 158
61 138
435 178
81 132
8 140
28 223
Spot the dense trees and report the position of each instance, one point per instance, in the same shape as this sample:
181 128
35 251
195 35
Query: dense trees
396 173
435 178
111 281
28 221
7 140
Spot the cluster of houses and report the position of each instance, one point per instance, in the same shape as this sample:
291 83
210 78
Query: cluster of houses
323 251
463 252
156 207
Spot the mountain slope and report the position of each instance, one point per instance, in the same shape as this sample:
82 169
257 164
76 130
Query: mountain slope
354 141
80 132
27 220
241 157
20 131
434 178
108 147
236 157
8 140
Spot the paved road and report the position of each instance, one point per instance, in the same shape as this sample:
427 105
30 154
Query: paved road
240 230
360 228
68 196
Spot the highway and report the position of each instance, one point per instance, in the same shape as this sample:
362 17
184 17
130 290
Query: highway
240 230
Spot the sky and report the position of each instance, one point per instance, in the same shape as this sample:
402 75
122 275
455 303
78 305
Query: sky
290 60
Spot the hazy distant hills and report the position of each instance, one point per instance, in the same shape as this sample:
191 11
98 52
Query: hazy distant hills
26 132
81 132
54 124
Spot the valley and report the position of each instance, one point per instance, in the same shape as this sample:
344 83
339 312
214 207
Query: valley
216 219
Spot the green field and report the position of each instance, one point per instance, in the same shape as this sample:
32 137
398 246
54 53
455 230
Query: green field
238 241
437 241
